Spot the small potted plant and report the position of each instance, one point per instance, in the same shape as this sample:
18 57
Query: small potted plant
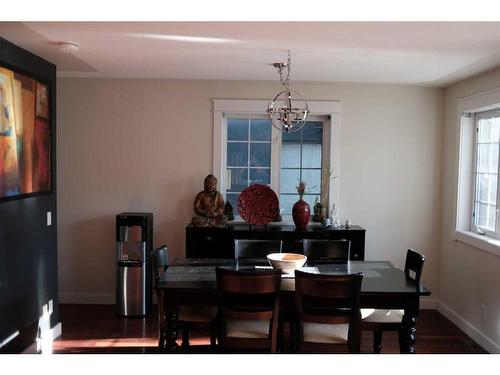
301 212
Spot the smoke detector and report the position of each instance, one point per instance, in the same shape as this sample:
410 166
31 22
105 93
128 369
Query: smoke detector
69 47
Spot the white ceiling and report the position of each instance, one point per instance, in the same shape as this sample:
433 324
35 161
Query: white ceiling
425 53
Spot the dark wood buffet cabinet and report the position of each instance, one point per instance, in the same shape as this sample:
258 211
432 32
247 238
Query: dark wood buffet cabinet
219 242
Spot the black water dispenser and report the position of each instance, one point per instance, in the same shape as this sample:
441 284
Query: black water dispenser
134 242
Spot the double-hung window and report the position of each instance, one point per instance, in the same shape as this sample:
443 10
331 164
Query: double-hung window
251 154
478 195
249 150
486 154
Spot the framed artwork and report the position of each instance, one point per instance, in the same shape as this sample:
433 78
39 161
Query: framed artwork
25 165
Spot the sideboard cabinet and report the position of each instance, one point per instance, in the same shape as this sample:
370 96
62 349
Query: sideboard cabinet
219 242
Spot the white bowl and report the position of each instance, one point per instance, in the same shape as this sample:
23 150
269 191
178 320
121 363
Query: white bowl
286 262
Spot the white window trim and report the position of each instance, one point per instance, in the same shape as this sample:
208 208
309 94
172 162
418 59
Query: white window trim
224 107
465 166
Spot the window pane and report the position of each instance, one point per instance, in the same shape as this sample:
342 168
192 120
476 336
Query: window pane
313 132
485 216
495 129
487 157
289 180
492 196
290 155
484 130
491 215
238 178
237 154
311 200
480 214
260 154
312 178
311 156
293 137
486 188
260 176
233 199
260 130
237 129
287 202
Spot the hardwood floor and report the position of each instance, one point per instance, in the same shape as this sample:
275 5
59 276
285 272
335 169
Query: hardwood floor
96 329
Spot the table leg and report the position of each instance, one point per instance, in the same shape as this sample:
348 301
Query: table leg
161 320
172 331
408 331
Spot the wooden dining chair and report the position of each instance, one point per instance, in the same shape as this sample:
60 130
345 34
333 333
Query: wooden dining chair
256 248
327 250
190 317
380 320
248 309
327 314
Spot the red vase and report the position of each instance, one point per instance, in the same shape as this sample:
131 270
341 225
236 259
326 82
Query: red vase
301 213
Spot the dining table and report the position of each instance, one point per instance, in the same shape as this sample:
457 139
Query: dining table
192 281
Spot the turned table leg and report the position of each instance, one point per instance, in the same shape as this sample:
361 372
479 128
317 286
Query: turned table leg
408 331
161 320
172 332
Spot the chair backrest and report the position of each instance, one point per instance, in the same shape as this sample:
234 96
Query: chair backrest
256 248
160 260
249 295
329 299
414 262
327 250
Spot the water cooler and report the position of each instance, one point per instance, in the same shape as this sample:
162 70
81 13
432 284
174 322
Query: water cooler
134 242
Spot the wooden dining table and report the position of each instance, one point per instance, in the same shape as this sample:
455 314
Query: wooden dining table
192 281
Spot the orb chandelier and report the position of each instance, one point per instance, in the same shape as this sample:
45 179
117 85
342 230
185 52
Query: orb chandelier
286 113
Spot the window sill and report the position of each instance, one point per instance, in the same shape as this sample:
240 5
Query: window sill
479 241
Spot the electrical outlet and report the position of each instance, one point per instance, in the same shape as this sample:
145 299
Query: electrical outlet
49 218
483 312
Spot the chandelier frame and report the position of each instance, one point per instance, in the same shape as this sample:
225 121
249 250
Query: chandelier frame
281 110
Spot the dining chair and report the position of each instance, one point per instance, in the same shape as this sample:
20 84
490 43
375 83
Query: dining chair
256 248
327 250
327 314
189 316
380 320
248 309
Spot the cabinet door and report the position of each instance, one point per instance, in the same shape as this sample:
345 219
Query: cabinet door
207 244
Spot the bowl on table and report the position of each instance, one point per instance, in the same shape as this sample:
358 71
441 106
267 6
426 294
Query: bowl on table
286 262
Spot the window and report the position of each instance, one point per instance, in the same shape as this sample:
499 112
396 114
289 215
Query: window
248 155
301 160
248 150
485 197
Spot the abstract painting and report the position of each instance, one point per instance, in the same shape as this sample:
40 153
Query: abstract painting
24 135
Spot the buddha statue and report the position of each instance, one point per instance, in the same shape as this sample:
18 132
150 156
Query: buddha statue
208 205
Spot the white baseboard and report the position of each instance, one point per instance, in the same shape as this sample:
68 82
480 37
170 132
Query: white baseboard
87 298
469 329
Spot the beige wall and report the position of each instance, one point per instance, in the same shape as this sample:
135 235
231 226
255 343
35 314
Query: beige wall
469 276
146 145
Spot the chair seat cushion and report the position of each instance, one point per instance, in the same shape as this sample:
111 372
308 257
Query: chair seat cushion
252 329
326 333
383 316
200 314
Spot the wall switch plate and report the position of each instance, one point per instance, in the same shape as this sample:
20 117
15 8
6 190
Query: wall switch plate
49 218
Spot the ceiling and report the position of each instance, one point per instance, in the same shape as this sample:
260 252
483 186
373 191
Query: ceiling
424 53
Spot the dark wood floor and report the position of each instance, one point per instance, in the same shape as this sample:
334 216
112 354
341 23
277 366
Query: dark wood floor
96 329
